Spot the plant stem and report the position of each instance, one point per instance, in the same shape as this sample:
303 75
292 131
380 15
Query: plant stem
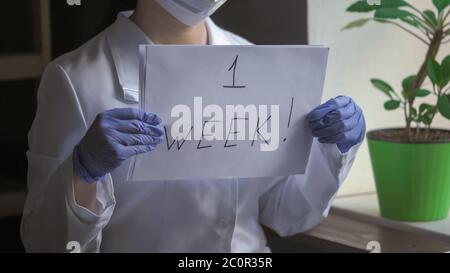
405 111
432 117
446 16
405 29
422 74
428 25
425 19
417 10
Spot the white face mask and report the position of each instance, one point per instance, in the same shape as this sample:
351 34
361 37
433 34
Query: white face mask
191 12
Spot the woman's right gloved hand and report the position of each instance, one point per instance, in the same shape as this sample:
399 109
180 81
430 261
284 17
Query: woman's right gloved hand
115 136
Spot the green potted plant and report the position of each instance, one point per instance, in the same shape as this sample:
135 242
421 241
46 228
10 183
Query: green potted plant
412 164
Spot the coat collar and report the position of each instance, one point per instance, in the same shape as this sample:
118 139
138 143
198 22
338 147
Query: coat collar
124 37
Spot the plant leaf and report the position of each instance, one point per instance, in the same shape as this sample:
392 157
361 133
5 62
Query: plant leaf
357 23
392 105
362 6
405 95
446 70
434 72
392 13
365 6
441 4
421 93
408 82
444 106
413 112
424 107
430 16
413 21
393 3
383 87
426 113
427 119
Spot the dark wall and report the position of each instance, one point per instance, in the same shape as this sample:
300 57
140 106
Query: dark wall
10 42
74 25
17 103
260 21
269 22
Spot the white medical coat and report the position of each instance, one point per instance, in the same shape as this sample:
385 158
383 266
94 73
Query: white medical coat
165 216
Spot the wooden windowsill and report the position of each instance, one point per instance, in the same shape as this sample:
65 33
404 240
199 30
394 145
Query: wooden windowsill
365 207
354 223
17 67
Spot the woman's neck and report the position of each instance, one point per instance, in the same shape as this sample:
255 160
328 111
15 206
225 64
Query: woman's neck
163 28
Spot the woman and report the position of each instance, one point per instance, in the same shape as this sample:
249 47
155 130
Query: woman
87 127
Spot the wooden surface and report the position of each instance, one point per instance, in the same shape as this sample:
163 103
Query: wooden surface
16 67
345 229
365 207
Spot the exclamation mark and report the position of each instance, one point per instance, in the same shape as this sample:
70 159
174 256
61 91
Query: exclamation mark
290 116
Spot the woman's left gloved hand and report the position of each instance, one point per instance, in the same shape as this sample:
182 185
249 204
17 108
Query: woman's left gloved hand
339 121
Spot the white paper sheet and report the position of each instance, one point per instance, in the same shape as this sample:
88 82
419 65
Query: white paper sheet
260 78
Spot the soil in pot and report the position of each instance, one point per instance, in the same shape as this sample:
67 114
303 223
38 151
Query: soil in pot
417 136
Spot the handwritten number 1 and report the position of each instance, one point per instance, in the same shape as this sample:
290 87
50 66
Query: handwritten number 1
234 67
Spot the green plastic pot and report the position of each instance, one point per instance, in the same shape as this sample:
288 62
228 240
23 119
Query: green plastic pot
412 179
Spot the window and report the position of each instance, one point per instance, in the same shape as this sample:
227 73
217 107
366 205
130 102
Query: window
25 49
24 52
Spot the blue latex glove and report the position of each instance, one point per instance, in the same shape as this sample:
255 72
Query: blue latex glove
339 121
115 136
